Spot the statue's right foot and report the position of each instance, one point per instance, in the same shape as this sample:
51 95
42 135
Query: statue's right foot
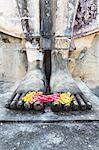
33 81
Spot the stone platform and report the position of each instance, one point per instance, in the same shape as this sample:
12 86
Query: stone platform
49 131
23 116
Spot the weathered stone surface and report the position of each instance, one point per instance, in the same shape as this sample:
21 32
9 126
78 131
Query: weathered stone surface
40 136
86 12
33 81
15 13
87 18
46 18
65 15
10 22
13 60
84 61
30 17
62 43
61 79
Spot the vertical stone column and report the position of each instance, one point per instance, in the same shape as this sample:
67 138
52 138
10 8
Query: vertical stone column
65 17
46 24
29 11
30 20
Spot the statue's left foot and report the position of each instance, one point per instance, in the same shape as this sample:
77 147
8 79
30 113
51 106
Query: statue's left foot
61 80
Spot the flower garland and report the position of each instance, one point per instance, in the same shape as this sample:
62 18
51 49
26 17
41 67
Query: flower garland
63 98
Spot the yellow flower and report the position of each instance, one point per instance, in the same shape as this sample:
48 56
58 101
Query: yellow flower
66 98
29 96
